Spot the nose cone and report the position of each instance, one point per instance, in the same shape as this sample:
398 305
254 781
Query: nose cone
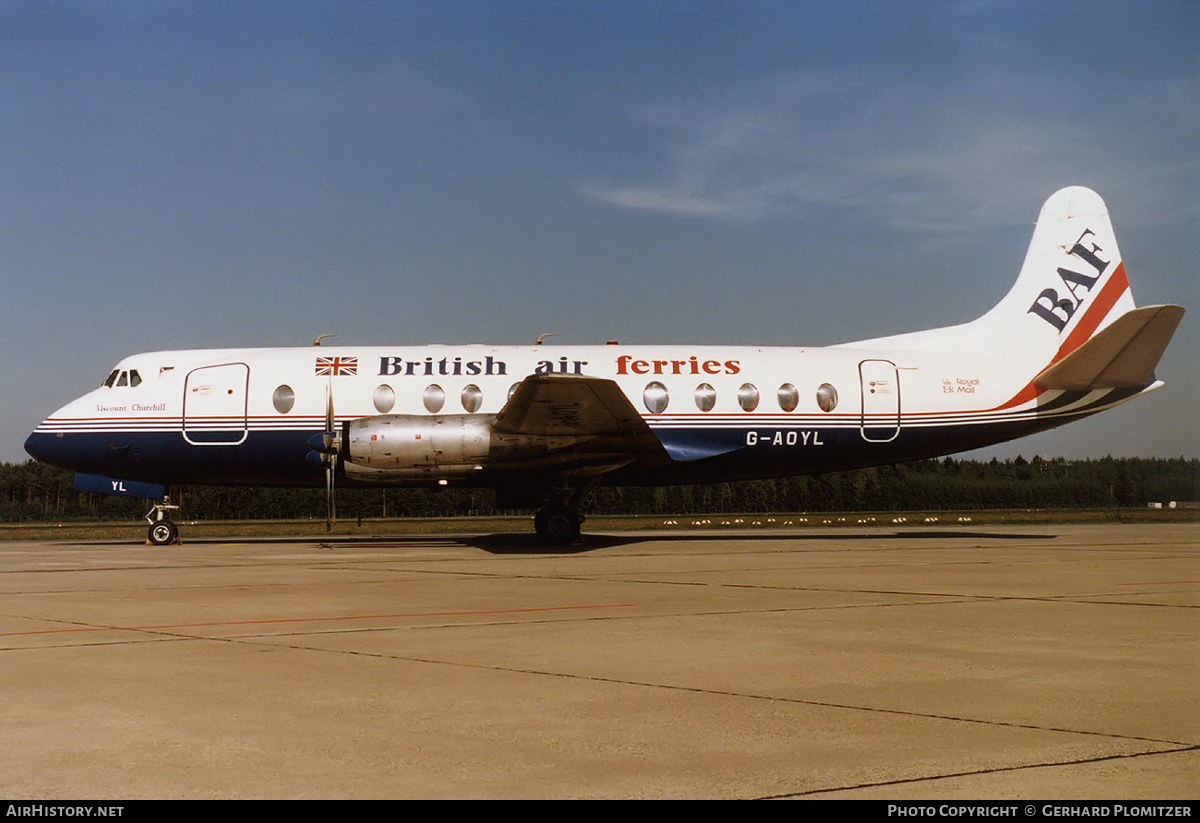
58 440
54 440
46 447
78 451
32 446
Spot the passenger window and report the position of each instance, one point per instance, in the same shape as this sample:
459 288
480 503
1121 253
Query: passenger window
434 398
655 397
789 397
283 399
472 398
384 399
748 397
827 397
706 397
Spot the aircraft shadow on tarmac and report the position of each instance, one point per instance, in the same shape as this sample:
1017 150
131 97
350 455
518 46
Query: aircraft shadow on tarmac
501 543
510 543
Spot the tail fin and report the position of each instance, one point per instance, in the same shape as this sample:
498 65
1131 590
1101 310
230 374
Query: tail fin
1071 286
1071 314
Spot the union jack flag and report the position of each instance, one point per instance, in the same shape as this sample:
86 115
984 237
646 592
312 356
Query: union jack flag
336 366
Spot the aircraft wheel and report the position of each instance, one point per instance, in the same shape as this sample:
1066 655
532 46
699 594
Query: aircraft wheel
557 526
163 533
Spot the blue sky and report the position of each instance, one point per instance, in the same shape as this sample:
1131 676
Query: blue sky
199 175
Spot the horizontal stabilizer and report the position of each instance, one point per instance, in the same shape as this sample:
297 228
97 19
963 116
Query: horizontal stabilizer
1122 355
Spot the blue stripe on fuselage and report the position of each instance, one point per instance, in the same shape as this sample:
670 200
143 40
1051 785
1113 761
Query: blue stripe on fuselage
269 458
277 458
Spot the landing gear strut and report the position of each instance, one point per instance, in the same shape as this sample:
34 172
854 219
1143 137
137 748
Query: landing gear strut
162 531
560 517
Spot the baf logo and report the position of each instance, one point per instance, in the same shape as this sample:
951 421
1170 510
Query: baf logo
1058 311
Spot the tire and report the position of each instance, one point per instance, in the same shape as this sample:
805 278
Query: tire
162 533
557 526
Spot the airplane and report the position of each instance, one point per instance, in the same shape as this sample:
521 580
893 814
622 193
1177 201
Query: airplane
544 426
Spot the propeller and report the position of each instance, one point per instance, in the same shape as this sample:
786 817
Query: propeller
326 446
334 443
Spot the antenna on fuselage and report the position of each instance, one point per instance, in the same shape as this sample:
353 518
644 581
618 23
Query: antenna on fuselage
542 337
321 337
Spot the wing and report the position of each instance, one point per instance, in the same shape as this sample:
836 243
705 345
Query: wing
584 420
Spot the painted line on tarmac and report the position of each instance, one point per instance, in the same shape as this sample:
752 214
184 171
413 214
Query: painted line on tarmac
280 621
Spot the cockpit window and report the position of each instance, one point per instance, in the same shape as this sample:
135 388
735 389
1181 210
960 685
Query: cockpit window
123 378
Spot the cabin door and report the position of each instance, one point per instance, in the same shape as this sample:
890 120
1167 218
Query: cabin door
214 405
880 400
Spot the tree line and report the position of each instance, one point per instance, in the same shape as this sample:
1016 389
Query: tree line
35 492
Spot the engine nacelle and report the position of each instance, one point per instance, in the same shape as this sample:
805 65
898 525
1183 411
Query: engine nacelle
411 445
404 449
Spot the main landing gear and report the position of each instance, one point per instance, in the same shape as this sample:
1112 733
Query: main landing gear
559 519
162 531
557 524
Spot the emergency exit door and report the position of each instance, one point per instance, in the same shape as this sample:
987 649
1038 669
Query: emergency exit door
880 400
214 405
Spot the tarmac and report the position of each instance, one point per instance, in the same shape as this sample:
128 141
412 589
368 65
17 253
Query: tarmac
902 662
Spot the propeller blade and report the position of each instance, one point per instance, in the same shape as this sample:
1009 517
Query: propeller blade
330 459
330 512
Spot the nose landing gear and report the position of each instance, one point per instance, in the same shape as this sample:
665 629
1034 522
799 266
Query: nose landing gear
162 531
